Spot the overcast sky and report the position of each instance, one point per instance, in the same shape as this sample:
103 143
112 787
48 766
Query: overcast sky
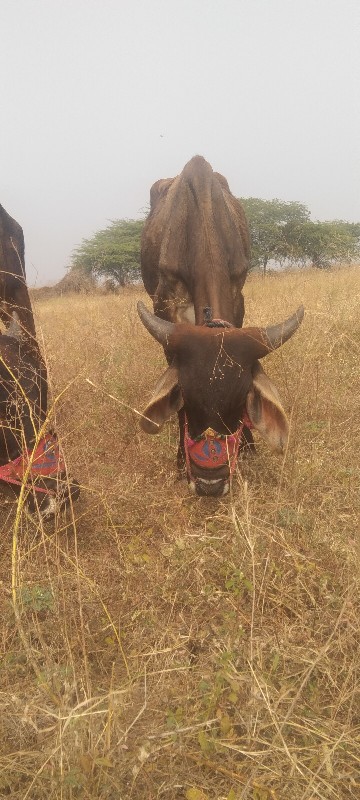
100 98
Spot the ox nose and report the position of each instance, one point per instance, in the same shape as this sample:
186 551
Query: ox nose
211 488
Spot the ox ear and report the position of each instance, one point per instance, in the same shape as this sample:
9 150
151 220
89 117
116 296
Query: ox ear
166 401
265 410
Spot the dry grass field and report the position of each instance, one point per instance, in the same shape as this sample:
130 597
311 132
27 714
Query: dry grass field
159 645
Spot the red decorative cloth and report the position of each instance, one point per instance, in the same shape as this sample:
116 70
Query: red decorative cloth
211 449
45 460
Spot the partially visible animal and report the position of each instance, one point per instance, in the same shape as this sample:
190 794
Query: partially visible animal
14 295
29 454
194 259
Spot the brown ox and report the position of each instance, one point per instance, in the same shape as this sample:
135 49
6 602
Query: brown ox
195 255
28 455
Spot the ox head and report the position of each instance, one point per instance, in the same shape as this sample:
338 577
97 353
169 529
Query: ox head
216 377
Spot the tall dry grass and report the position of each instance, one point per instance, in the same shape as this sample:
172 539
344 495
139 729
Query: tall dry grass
157 645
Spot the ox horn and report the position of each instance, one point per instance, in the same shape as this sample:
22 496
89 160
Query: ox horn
160 329
14 329
275 335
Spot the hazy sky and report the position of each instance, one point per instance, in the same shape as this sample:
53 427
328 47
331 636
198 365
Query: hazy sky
100 98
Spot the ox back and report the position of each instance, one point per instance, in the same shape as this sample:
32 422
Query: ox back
195 247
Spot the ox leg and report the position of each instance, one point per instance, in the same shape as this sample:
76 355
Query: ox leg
181 459
239 310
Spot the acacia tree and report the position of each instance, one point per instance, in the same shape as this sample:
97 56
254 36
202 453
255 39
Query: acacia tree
323 243
268 222
113 252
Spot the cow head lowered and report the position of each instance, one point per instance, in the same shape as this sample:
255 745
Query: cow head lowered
216 379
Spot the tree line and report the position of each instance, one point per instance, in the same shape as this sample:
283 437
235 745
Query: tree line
281 232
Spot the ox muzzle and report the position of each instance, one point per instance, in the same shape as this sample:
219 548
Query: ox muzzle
211 460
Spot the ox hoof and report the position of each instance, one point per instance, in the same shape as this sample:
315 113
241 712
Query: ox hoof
181 463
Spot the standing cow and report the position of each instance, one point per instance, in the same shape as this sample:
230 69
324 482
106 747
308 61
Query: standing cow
194 259
29 454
